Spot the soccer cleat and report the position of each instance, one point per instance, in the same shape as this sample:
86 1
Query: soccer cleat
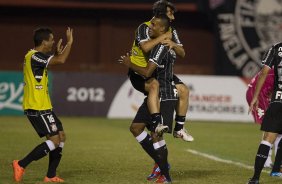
183 134
253 181
55 179
160 129
268 165
162 179
18 171
155 173
276 174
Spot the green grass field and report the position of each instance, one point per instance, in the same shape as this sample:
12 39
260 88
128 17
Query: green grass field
100 150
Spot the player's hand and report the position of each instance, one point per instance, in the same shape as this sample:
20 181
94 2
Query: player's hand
69 35
60 47
125 59
253 105
169 44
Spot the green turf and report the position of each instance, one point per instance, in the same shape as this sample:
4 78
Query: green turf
100 150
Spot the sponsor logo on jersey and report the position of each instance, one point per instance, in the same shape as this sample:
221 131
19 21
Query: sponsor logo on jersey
38 77
159 53
278 95
38 87
38 59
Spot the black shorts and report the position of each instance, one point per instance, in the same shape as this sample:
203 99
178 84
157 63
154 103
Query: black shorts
137 81
176 80
44 122
272 121
167 111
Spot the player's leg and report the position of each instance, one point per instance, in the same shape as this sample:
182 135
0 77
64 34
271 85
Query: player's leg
55 155
161 167
150 88
269 126
262 155
275 109
137 128
153 103
181 110
276 170
38 122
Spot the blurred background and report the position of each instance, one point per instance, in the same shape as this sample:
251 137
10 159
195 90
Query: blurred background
223 39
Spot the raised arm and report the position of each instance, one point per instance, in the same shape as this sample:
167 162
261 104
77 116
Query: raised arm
62 52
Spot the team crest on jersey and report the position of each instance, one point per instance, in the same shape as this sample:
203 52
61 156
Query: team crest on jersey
247 33
54 127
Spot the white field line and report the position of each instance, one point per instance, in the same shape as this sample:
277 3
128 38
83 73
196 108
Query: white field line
217 159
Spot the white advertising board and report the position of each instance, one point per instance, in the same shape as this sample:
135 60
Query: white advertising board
214 98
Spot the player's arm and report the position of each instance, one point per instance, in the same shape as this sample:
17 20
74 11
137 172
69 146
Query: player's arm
145 71
179 50
62 52
175 44
148 45
268 63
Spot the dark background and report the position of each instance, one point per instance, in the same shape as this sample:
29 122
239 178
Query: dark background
103 30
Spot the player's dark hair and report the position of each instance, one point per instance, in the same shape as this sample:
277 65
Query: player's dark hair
160 7
165 20
41 34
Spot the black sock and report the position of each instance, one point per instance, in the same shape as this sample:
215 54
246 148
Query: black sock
261 157
162 153
38 152
54 160
278 158
179 122
147 145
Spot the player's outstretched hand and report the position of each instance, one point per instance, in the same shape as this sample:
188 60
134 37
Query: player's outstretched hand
125 59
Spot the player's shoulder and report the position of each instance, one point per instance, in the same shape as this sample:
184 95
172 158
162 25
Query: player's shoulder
40 57
277 46
144 25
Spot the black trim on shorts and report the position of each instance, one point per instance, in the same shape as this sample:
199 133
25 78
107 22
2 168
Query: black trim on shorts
167 110
176 80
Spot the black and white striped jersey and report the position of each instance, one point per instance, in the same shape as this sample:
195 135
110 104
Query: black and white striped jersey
164 59
273 58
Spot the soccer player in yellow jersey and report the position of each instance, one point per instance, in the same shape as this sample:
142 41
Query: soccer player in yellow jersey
37 105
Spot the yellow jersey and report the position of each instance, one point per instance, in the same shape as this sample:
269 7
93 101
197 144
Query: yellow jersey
36 95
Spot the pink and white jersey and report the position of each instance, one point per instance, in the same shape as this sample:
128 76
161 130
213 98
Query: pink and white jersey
264 96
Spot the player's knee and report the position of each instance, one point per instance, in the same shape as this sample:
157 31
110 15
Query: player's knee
56 142
152 85
135 130
62 136
183 91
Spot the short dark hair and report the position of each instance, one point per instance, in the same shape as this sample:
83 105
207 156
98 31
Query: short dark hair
160 7
165 20
41 34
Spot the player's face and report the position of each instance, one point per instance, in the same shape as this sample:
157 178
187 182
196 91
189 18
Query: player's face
170 14
49 43
156 28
